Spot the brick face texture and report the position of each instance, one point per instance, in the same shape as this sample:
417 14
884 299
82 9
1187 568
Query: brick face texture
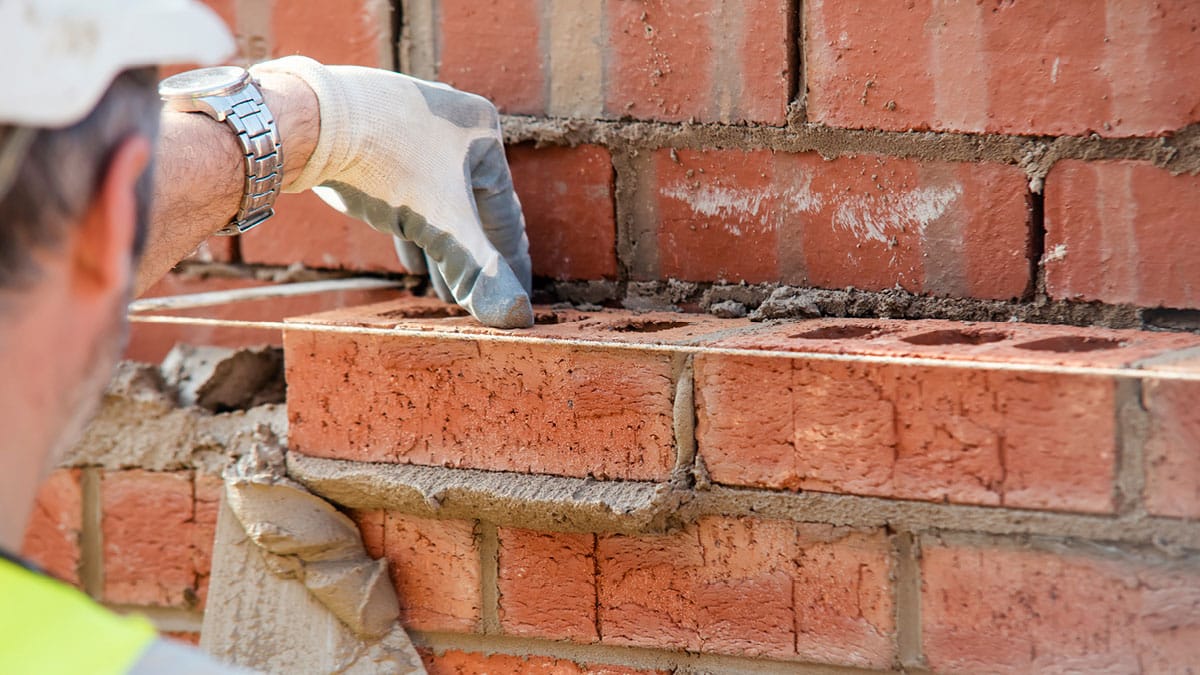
546 584
435 569
1033 441
1115 232
52 536
157 537
741 586
567 196
559 410
707 60
870 222
1001 610
1016 68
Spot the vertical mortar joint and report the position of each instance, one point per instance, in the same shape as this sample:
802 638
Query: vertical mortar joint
907 552
91 542
489 577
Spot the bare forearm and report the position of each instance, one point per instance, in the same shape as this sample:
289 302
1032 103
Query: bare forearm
199 173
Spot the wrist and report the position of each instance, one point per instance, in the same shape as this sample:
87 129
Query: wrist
297 116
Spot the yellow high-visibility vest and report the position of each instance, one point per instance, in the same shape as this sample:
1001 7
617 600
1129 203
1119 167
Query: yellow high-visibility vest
48 627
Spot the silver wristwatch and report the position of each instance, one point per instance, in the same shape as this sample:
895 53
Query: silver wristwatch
228 94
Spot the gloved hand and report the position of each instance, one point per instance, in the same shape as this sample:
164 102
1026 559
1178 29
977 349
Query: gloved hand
424 162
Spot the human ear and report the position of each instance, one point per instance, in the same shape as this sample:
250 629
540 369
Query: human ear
102 251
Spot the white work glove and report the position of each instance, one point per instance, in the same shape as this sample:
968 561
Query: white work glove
423 162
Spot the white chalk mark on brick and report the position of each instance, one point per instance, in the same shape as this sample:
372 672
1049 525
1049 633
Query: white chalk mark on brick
879 218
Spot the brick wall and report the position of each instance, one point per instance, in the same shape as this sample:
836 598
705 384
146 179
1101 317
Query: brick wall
975 459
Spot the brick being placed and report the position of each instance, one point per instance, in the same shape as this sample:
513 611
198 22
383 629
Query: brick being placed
909 427
1014 415
556 407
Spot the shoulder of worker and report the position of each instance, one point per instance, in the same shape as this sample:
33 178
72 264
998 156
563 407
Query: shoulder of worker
47 626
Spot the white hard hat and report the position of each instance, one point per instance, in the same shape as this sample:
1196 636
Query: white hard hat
58 57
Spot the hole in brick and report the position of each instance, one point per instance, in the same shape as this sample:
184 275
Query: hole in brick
955 337
424 312
551 318
1070 343
843 332
647 326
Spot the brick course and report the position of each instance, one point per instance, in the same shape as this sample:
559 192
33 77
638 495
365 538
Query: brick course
870 222
1012 68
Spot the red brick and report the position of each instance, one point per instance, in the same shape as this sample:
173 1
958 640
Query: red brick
356 33
148 526
705 60
150 342
1122 232
547 584
52 535
490 48
372 525
567 196
308 232
435 568
1011 610
566 410
1003 67
920 430
752 588
475 663
208 491
1172 442
870 222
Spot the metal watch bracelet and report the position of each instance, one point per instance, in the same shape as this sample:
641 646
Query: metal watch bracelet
255 128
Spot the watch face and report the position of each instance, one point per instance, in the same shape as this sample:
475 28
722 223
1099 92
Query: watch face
203 82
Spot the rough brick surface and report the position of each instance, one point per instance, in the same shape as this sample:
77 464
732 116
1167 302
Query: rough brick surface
567 195
515 407
207 491
1172 442
1115 232
1004 67
148 525
435 569
922 431
52 535
1009 610
307 231
711 61
870 222
547 584
491 48
475 663
759 588
356 32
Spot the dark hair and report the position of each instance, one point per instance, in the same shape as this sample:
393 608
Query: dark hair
63 168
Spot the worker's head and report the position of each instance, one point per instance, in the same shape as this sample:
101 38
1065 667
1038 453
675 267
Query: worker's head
78 121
